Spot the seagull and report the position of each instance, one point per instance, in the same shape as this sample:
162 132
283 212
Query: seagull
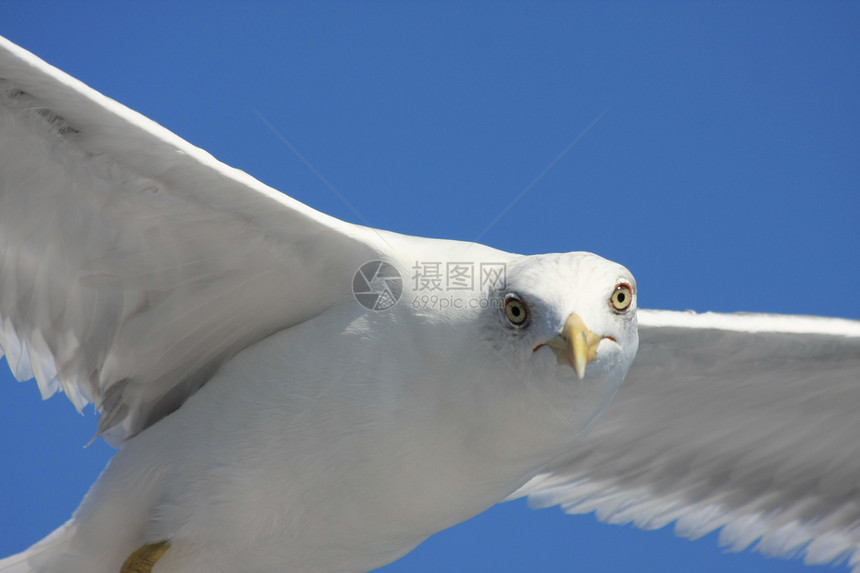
290 392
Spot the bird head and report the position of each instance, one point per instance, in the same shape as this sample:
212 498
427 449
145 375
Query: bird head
567 322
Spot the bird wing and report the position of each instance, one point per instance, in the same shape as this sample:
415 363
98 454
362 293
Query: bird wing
745 422
132 263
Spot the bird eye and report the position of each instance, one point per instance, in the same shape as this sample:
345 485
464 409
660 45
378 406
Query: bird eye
516 310
621 297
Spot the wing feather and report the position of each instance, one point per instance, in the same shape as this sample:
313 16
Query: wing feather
744 422
133 263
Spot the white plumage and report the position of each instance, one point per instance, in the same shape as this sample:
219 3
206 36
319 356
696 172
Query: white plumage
135 266
743 421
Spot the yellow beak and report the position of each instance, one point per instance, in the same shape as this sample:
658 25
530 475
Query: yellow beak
576 346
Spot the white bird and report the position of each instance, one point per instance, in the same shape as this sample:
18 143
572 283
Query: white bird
270 421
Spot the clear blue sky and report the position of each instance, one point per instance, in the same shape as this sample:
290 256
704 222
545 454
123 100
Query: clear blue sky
724 171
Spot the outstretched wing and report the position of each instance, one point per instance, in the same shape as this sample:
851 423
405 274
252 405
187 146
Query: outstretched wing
133 263
746 422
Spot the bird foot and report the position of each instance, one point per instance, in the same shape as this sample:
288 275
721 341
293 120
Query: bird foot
144 558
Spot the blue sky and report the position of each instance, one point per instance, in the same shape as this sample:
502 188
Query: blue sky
722 166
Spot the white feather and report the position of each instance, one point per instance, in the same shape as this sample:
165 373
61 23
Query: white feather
747 422
132 262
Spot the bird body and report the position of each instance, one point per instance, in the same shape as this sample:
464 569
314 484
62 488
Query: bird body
339 464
